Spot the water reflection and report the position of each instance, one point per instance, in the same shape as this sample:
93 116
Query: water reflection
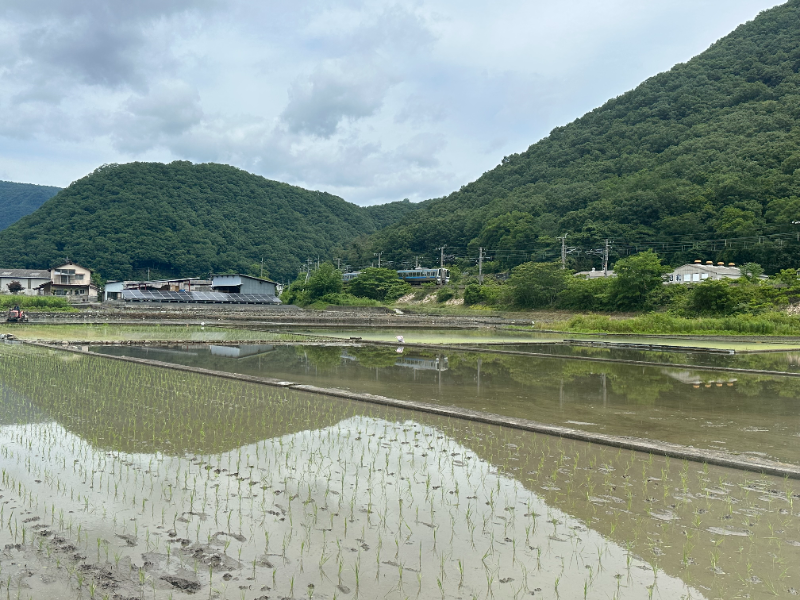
270 488
741 413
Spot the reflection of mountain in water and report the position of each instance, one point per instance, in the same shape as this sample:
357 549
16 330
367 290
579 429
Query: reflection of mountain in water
437 363
16 409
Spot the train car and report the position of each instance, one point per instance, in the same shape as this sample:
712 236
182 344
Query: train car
420 276
348 277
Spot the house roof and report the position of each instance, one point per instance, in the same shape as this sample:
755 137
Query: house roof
25 273
240 275
716 269
71 264
67 285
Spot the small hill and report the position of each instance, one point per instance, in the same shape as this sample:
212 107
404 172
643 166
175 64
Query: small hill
184 219
20 199
707 151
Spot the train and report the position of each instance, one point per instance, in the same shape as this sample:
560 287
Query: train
348 277
420 275
416 276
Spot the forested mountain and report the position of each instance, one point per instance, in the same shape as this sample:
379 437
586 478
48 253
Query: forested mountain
707 151
20 199
184 219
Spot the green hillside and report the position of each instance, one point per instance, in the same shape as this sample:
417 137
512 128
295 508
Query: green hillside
707 151
20 199
184 219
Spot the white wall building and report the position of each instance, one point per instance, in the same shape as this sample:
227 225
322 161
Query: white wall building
29 279
698 272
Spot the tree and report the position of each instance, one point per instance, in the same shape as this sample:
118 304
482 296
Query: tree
536 285
325 280
472 294
14 287
379 284
712 298
636 278
751 271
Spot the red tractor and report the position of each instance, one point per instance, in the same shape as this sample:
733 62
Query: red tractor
17 315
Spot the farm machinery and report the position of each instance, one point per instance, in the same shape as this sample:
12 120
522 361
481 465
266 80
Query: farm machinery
17 315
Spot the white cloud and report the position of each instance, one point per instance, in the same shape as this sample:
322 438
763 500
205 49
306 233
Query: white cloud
375 101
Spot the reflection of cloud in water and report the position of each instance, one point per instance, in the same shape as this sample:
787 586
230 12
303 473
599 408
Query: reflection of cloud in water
241 351
697 377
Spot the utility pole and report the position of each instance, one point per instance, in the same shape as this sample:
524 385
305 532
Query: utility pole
563 251
262 267
338 265
416 262
605 260
441 256
480 266
378 254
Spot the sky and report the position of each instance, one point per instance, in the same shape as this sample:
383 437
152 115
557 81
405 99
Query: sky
373 101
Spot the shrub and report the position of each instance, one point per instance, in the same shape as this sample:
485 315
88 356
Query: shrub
379 284
444 294
473 294
35 302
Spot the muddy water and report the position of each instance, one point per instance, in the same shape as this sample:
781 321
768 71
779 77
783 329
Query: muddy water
734 412
141 481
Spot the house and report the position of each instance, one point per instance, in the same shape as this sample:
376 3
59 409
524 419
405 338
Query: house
697 271
29 279
243 284
70 280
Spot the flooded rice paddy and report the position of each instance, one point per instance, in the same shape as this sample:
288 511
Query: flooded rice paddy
136 333
526 336
127 481
739 413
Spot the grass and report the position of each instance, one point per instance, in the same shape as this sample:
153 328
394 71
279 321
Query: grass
774 323
36 303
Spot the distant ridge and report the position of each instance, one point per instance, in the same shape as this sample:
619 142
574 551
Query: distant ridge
707 150
184 219
20 199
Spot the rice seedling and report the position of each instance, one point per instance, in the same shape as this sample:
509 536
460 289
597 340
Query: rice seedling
264 478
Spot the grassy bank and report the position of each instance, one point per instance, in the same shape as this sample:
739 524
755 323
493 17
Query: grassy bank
775 323
35 303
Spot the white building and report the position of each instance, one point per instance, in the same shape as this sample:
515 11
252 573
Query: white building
697 272
29 279
595 274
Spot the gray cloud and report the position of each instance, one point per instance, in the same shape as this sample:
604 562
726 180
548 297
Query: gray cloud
335 91
374 101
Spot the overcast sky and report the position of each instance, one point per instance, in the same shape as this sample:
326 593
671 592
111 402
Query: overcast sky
374 101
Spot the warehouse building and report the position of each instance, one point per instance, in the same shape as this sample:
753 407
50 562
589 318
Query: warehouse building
28 280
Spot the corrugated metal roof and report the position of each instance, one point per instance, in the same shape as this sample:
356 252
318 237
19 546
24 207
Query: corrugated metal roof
717 269
25 273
